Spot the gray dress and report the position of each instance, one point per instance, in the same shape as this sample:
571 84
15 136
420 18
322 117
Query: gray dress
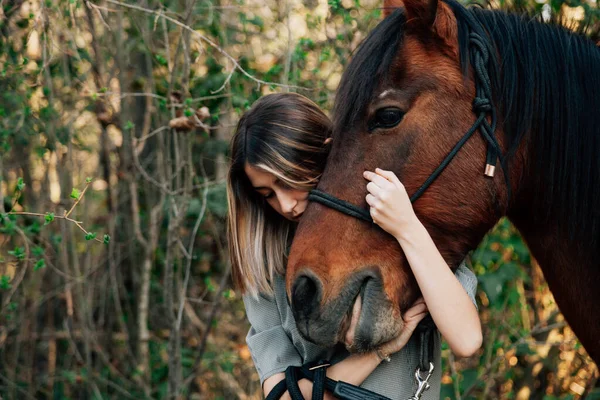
275 343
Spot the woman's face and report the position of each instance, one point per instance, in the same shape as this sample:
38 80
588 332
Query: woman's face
287 201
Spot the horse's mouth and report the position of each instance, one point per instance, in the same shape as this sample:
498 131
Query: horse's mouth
350 322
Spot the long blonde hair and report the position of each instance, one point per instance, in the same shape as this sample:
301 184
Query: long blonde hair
283 134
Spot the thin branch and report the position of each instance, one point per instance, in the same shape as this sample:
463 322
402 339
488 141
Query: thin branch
77 223
538 329
78 199
203 38
190 252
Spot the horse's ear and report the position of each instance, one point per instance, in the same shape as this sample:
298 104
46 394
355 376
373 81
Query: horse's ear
422 12
390 5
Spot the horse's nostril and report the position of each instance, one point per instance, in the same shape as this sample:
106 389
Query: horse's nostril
305 295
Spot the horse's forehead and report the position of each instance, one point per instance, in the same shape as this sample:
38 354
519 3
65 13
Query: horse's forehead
418 66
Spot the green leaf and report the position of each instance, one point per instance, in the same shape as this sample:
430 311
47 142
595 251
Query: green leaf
39 264
70 375
217 200
5 282
56 239
161 60
49 217
90 236
20 184
129 125
18 253
75 193
106 239
37 251
88 180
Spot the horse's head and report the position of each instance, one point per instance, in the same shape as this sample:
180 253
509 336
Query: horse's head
402 105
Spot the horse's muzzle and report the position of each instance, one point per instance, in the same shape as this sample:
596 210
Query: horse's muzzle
325 320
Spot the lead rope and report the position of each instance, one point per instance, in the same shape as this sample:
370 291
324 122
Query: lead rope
316 372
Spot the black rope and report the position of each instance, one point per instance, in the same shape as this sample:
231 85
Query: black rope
321 383
339 205
318 391
482 107
292 377
426 331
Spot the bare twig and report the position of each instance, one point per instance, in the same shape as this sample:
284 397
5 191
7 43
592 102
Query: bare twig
537 329
201 37
190 252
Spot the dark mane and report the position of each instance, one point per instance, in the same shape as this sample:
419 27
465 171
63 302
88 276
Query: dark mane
368 67
546 91
544 83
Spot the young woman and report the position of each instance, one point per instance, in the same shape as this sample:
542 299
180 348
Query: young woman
278 153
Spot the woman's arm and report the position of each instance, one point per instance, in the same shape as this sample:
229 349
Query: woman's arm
355 368
449 305
451 308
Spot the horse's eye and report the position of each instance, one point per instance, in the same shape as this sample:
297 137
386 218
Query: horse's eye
386 118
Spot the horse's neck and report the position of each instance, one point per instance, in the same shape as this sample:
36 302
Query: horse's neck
572 273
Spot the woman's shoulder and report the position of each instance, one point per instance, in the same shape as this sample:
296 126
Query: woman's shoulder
465 269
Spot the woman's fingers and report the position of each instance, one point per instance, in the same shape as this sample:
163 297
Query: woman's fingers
418 300
415 310
371 200
377 179
389 175
374 189
417 318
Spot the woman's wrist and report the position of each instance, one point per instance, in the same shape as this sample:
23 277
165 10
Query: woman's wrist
382 355
410 232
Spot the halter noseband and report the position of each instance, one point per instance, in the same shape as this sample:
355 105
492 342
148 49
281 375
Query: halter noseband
482 107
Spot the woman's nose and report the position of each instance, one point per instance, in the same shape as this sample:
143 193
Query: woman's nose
287 204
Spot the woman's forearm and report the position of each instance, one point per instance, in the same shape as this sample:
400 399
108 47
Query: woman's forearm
354 369
449 304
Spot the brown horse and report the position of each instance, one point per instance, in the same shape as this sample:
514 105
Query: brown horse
421 79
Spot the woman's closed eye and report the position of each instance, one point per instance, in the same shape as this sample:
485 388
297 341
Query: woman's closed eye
283 185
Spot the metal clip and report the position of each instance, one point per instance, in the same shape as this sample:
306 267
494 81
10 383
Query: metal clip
422 383
323 365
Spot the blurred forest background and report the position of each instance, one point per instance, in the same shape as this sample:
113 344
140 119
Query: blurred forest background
115 118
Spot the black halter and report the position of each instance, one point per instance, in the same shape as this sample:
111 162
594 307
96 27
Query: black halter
316 372
482 107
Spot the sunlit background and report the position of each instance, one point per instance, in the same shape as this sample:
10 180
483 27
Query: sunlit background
114 124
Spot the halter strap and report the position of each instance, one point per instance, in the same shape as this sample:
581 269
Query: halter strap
482 107
316 372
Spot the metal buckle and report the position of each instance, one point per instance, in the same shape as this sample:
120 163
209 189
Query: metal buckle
325 365
422 383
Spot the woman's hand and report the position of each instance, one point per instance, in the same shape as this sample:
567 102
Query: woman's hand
389 203
411 318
